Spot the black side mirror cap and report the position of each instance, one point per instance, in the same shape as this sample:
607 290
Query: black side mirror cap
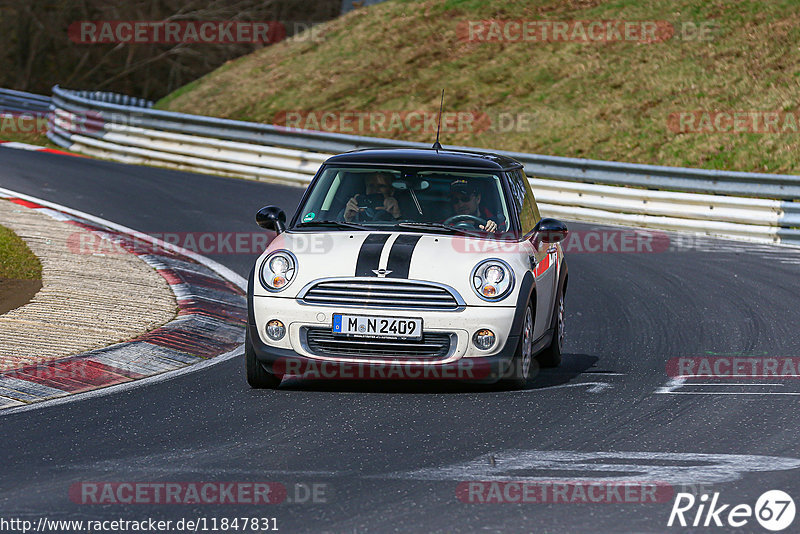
271 218
550 231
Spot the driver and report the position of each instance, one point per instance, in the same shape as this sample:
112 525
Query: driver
466 200
379 182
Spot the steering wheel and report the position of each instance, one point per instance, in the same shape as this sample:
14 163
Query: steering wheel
463 220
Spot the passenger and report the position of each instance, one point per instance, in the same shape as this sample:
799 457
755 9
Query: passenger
377 183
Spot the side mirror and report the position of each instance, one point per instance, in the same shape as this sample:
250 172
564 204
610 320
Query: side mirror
549 231
271 218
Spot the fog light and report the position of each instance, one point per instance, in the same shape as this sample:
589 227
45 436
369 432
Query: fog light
275 330
483 339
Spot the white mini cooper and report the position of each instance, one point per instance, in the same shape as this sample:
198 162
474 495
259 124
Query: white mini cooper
407 263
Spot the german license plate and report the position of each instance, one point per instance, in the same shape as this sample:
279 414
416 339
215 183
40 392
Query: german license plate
377 327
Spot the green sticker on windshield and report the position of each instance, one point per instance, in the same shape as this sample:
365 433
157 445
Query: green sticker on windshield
309 217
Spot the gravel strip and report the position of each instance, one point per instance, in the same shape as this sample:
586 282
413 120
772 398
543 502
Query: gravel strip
86 302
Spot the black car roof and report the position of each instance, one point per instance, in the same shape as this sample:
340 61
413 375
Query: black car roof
417 157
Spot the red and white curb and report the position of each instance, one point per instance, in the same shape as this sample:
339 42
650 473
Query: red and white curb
35 148
210 325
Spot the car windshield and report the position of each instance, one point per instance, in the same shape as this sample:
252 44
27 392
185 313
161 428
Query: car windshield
407 199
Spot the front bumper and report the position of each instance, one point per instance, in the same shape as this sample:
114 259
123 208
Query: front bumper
282 361
292 355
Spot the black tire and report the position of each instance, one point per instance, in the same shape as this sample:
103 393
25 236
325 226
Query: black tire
523 365
551 356
257 376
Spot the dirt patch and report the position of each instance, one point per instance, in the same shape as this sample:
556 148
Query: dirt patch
16 293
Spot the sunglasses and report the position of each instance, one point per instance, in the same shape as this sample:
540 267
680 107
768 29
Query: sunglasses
460 197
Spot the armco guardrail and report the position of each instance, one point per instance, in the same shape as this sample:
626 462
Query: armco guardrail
115 98
746 205
21 102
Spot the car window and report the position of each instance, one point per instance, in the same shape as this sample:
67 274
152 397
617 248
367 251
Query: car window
524 201
385 196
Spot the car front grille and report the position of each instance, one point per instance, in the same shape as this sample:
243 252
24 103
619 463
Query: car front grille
382 293
433 346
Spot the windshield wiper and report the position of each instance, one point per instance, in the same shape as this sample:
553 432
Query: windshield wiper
433 226
332 224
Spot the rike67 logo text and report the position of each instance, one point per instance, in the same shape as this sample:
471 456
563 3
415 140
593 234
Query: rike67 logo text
774 510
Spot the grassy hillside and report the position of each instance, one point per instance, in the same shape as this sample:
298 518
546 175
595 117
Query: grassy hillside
594 100
16 259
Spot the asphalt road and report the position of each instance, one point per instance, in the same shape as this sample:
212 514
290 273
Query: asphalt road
391 455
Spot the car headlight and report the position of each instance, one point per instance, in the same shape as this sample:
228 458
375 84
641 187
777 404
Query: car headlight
492 279
278 270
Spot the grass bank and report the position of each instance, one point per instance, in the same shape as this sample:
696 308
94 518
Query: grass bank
617 100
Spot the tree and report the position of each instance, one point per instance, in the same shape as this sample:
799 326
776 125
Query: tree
37 52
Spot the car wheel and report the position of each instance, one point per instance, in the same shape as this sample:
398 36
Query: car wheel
257 376
551 356
523 362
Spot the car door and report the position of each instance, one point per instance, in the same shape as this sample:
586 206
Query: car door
542 256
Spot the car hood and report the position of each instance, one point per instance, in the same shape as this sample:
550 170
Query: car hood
437 258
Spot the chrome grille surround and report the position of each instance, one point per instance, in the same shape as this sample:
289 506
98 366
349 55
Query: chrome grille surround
387 293
433 347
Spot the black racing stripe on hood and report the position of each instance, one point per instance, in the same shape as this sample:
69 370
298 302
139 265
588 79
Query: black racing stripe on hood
400 255
370 254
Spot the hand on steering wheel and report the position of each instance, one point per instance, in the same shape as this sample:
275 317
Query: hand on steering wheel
461 219
476 222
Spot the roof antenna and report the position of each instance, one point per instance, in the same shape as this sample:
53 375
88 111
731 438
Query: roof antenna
437 146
